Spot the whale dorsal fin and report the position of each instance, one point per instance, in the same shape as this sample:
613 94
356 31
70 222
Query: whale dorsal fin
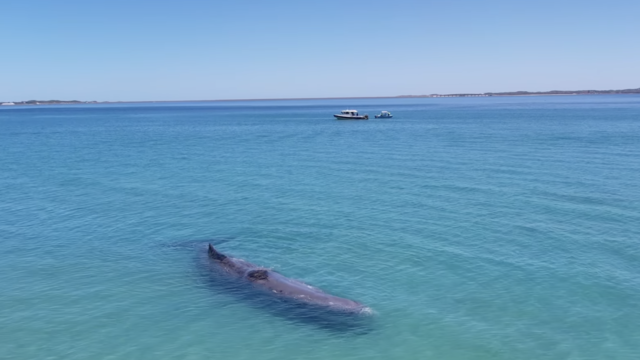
214 254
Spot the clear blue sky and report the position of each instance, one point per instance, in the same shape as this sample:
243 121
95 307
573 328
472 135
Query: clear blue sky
192 49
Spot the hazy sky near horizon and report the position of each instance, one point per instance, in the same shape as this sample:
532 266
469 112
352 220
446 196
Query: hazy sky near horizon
195 49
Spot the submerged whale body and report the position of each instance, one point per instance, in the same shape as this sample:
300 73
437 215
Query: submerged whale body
289 298
281 286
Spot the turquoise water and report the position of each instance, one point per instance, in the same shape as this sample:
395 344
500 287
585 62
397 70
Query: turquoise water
476 228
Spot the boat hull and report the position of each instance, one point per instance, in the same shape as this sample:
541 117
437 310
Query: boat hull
342 117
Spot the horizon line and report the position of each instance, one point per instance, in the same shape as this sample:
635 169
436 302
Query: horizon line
486 94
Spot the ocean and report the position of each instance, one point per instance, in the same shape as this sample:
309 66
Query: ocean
475 228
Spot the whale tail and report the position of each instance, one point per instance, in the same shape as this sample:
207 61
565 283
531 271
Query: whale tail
214 254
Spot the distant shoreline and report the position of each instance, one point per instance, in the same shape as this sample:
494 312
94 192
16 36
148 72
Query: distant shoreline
514 93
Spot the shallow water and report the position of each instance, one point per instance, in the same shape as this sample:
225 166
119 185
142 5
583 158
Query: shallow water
476 228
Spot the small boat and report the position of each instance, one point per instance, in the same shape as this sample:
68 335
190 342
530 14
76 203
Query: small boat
351 115
384 115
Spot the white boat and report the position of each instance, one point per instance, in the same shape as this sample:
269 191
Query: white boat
351 115
384 115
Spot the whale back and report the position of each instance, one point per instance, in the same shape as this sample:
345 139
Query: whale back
281 286
280 295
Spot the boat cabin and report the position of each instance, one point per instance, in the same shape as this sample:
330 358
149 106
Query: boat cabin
349 112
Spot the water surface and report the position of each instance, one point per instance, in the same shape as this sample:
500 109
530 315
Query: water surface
476 228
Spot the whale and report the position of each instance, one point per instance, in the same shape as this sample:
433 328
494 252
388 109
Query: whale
276 285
